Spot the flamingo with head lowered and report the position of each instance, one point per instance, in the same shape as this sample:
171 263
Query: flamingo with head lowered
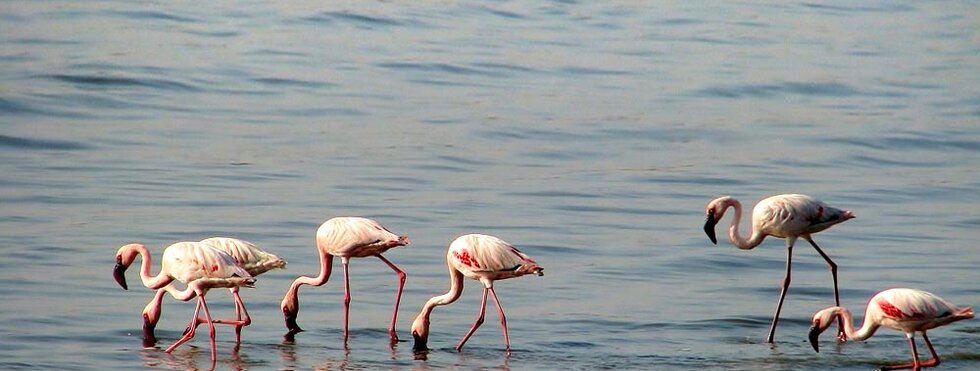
905 310
789 216
346 237
483 258
253 259
198 265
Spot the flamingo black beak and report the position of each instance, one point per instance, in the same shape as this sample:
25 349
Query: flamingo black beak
290 318
119 273
421 344
814 338
709 228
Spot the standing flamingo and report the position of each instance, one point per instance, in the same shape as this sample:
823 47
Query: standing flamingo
905 310
346 237
198 265
788 216
483 258
251 257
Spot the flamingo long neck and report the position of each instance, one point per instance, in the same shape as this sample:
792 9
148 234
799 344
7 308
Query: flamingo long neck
742 243
455 289
146 275
326 264
867 329
186 294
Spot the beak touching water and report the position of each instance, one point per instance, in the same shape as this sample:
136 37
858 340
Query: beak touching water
815 338
420 343
709 228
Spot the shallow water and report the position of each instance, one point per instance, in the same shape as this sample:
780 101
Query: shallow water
589 134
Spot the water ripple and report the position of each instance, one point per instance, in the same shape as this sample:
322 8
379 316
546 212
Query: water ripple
120 81
40 144
155 15
360 20
817 89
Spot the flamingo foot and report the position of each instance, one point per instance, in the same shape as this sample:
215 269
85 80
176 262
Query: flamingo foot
930 363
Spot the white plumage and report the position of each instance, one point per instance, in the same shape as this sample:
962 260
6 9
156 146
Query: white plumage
346 237
789 216
483 258
901 309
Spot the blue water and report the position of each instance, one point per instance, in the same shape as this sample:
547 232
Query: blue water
590 134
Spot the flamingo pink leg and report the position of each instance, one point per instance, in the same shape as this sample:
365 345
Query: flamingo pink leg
503 319
347 298
193 325
241 314
398 297
916 364
782 292
833 272
479 321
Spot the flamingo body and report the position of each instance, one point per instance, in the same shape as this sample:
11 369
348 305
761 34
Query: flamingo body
346 237
483 258
787 216
183 261
198 265
247 255
901 309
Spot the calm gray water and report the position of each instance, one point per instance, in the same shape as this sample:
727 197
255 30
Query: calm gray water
590 134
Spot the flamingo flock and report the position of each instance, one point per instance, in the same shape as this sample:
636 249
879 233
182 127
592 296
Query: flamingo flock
222 262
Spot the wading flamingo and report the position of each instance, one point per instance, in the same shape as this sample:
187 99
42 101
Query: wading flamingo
788 216
905 310
346 237
198 265
483 258
251 257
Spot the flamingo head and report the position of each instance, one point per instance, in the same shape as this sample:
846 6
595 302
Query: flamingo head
820 322
715 211
290 310
420 332
150 319
124 258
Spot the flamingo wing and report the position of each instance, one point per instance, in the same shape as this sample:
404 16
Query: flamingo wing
484 253
356 237
795 214
912 305
190 261
255 260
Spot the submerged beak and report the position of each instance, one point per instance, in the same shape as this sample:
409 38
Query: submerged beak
119 273
814 338
709 228
290 318
421 344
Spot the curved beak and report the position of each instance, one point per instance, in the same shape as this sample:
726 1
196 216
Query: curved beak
119 273
814 337
709 228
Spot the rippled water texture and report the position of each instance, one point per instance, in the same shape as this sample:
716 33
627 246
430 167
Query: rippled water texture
590 134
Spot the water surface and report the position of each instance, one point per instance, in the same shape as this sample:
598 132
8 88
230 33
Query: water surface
589 134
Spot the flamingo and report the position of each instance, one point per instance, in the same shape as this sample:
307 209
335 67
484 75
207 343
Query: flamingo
253 259
905 310
789 216
198 265
483 258
346 237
